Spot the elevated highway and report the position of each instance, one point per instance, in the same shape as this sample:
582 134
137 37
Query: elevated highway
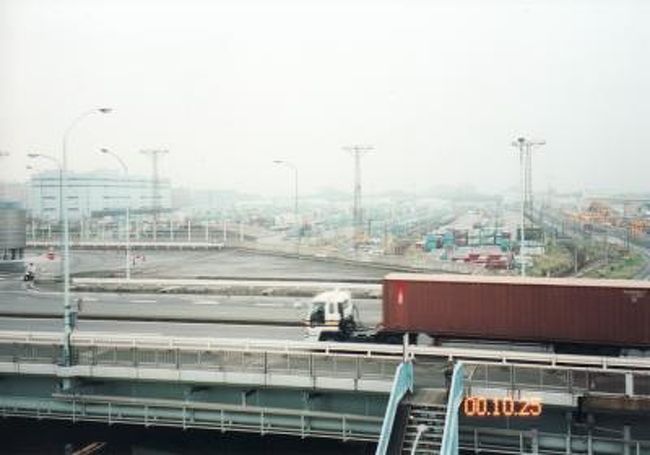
307 389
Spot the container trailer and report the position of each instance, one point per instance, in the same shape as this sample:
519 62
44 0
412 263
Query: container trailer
572 315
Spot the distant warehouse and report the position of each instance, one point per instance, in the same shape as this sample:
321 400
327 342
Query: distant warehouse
94 192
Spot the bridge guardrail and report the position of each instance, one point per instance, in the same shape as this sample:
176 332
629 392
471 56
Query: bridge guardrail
188 414
314 364
225 362
516 378
571 374
493 440
419 353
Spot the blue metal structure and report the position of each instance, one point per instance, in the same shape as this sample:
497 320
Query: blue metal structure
456 392
308 389
402 383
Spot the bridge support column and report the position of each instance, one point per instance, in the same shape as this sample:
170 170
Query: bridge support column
245 394
627 437
629 384
569 419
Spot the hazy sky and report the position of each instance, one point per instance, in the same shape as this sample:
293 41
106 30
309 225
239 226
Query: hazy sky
440 88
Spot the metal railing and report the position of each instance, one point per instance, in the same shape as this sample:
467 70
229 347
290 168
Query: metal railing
242 360
561 379
190 360
636 365
137 245
502 441
513 371
187 414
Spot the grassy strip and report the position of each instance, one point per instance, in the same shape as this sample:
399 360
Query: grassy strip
623 266
556 261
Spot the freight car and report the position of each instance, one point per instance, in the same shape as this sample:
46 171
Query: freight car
572 315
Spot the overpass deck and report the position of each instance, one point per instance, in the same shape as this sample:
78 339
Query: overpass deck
308 389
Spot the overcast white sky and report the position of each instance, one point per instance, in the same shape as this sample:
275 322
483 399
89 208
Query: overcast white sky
440 88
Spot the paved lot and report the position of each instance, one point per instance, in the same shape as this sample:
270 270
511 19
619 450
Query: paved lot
225 263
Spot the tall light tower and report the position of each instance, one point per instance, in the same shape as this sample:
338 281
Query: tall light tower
525 147
155 187
357 212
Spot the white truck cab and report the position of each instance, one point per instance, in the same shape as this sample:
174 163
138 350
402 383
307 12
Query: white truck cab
330 316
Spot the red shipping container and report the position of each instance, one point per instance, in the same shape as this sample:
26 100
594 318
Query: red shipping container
555 310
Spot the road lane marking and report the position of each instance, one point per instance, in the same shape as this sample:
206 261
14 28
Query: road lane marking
270 305
206 302
90 299
142 301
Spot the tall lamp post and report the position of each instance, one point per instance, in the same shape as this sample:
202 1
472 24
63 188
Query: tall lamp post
293 167
67 313
525 147
128 225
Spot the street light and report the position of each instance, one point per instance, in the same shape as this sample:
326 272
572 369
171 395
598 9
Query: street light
293 167
525 146
128 225
67 313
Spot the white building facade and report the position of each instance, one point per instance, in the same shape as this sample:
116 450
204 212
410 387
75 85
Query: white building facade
95 193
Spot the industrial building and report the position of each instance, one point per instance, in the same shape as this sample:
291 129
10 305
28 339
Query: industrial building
94 193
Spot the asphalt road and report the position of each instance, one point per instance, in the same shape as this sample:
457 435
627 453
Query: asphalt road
16 299
158 328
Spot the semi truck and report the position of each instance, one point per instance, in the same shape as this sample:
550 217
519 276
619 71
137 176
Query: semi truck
569 314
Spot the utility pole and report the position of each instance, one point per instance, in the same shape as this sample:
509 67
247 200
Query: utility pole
357 214
155 186
525 147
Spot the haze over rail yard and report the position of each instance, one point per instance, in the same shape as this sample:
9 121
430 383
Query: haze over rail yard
315 227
